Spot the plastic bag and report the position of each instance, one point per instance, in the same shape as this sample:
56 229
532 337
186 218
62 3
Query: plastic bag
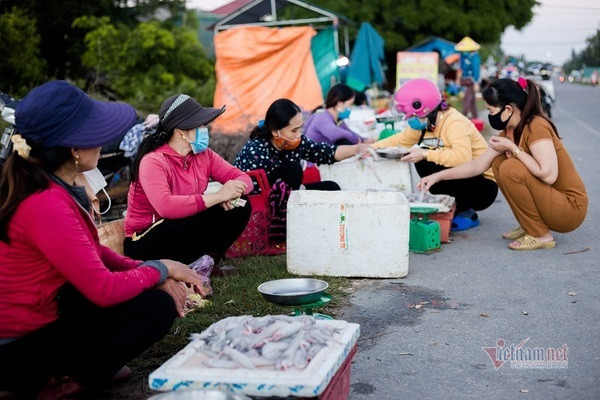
203 268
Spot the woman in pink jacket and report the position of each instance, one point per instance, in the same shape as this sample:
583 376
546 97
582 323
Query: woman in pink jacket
72 312
168 213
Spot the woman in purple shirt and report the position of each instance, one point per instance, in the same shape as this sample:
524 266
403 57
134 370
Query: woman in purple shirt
324 125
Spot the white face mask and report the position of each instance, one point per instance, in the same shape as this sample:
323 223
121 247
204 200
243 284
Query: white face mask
97 183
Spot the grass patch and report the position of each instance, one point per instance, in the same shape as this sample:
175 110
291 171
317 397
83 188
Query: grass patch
234 295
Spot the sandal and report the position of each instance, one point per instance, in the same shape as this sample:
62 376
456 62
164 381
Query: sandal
464 220
528 242
514 234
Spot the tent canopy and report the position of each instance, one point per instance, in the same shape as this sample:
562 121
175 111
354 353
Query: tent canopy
445 47
265 13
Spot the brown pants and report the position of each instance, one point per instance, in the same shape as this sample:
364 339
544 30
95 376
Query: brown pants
537 206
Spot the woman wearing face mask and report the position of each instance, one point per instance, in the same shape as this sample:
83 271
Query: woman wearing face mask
72 311
443 138
533 169
168 213
326 122
277 146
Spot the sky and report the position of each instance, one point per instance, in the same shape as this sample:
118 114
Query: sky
558 26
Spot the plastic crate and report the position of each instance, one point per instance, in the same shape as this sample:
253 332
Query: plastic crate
339 387
445 221
254 240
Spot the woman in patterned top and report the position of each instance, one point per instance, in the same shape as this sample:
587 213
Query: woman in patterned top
276 145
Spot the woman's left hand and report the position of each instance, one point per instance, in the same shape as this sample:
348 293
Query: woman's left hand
502 144
414 155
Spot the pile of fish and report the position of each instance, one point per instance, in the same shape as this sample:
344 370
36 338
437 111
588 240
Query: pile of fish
276 342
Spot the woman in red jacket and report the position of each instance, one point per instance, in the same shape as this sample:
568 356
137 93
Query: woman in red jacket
72 312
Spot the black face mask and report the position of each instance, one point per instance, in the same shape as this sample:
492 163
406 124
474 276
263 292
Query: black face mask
496 120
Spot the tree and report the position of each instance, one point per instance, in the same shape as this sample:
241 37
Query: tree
61 45
147 63
21 67
589 56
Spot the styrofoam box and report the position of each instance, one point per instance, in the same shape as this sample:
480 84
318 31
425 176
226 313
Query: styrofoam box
352 234
369 174
185 370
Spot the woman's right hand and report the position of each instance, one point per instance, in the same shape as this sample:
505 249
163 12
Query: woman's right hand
231 190
183 273
178 293
428 181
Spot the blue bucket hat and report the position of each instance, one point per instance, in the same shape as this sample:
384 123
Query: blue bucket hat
60 114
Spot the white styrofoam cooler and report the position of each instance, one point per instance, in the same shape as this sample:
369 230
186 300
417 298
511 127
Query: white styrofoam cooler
352 234
186 371
369 174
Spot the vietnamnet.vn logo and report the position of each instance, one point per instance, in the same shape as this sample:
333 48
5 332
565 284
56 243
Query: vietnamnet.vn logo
523 357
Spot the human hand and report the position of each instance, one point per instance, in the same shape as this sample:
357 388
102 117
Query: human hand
414 155
227 206
232 189
183 273
427 182
177 291
363 150
368 141
502 144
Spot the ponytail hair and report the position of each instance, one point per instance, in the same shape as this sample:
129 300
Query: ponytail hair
278 116
148 145
524 94
337 93
22 177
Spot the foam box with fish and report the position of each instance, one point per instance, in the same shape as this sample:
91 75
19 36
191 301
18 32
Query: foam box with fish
369 174
352 234
185 370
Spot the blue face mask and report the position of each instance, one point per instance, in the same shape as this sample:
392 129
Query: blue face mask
201 142
416 124
345 113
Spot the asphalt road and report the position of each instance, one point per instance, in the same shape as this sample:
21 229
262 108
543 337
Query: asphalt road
476 292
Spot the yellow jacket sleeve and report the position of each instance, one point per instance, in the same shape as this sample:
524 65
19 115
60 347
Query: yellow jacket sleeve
407 138
457 145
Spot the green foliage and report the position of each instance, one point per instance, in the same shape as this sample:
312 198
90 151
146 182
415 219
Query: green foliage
21 67
147 63
404 23
589 56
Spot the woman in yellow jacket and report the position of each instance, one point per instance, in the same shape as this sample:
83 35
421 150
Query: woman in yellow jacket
445 138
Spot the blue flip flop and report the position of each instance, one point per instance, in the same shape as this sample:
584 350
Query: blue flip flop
464 220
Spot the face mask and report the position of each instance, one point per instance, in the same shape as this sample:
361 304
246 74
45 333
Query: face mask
416 124
285 144
201 142
345 113
97 183
496 120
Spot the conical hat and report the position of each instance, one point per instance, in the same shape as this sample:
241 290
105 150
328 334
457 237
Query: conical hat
467 44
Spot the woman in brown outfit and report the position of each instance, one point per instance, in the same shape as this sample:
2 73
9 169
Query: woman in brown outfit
531 166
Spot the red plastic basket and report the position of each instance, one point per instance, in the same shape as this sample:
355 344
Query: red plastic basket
311 175
339 387
254 240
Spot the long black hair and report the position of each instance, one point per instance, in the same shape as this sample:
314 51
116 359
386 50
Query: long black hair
148 145
337 93
278 116
506 91
22 177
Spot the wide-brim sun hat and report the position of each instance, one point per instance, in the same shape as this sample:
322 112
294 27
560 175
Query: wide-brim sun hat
184 112
57 113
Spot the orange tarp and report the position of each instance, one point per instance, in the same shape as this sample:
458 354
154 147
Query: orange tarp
256 66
